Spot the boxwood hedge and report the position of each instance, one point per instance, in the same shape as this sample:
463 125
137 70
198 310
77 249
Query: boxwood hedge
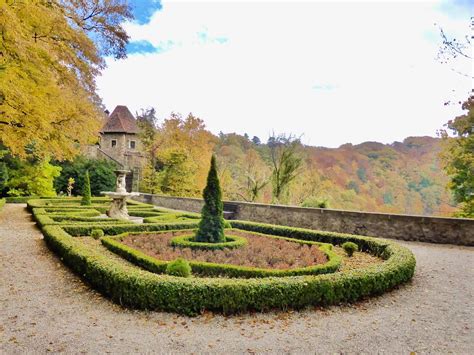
374 246
141 289
20 199
212 269
188 241
111 229
138 288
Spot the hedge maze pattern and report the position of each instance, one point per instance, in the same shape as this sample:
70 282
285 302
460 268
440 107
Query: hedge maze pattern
138 281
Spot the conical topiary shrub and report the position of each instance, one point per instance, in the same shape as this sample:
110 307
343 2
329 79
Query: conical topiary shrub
86 192
211 226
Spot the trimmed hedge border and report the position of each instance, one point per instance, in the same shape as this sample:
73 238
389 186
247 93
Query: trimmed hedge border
371 245
136 288
187 241
167 216
221 270
20 199
140 289
76 230
81 220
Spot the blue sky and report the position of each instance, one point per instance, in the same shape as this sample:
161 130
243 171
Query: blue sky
336 72
143 10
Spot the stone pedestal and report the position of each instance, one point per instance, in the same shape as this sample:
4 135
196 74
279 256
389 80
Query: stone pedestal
118 208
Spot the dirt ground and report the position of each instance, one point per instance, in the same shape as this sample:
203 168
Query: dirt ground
45 308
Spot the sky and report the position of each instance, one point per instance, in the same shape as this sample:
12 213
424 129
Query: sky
331 72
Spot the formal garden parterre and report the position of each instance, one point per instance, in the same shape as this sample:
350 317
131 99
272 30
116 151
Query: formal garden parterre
133 278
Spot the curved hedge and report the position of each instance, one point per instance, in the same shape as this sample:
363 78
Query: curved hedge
374 246
213 269
75 229
187 241
138 288
141 289
167 216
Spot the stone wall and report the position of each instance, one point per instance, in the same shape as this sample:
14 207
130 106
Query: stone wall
405 227
176 203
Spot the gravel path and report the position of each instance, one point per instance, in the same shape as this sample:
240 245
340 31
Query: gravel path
45 308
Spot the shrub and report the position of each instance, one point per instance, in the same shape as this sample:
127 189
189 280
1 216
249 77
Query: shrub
2 202
101 174
86 193
97 233
188 241
315 203
350 248
211 226
31 178
179 267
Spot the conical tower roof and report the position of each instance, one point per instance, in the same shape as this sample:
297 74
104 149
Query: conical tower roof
120 120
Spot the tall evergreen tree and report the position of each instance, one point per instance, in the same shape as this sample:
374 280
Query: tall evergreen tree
211 226
86 194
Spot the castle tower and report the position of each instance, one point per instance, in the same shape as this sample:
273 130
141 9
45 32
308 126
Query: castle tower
120 142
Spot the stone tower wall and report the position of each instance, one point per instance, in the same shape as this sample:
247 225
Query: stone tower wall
130 158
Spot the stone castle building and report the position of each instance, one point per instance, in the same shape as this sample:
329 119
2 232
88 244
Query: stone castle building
119 142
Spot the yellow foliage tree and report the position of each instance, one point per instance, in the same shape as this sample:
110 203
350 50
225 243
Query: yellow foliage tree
186 145
48 65
179 151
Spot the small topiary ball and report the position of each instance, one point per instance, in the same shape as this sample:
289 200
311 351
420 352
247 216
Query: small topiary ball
179 267
97 233
350 248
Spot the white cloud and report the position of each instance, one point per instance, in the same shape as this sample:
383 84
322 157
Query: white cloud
335 72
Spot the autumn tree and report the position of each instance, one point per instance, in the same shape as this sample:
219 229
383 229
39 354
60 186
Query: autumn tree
230 166
457 52
184 145
148 125
459 152
175 149
177 177
459 158
32 178
26 177
50 54
311 188
286 161
256 175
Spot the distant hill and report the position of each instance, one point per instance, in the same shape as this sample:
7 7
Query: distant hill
402 177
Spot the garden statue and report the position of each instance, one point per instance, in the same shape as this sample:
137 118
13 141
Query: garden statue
120 185
118 208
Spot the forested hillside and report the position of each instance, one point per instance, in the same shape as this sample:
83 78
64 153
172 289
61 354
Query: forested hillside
403 177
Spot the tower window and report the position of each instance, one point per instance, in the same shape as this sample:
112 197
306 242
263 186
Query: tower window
114 143
132 144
